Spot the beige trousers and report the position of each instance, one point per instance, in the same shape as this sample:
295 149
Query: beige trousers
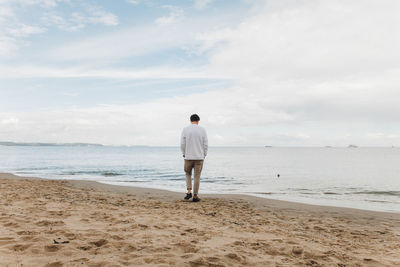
197 165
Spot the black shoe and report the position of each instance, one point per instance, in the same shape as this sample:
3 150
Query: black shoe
188 196
197 199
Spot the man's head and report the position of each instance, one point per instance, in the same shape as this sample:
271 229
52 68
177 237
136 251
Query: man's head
194 119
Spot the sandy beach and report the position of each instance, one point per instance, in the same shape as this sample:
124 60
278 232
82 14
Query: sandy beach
81 223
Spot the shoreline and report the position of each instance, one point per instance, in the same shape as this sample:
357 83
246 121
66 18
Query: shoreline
57 223
256 200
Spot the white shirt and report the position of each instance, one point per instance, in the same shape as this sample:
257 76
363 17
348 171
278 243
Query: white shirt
194 142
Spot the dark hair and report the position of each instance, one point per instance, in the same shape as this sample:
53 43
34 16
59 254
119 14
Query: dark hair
194 117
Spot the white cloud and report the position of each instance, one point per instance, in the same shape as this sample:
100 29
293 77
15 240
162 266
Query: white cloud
25 30
227 115
212 39
121 44
102 17
8 46
176 14
315 39
10 121
13 31
42 3
202 4
135 2
188 35
80 19
162 72
53 19
129 124
317 61
70 94
6 12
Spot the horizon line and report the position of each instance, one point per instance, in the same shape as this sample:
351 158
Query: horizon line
83 144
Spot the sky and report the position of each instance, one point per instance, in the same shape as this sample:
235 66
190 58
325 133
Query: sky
258 72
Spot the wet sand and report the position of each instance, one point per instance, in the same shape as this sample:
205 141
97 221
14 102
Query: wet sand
81 223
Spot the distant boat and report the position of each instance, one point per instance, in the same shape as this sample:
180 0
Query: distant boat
352 146
267 146
328 147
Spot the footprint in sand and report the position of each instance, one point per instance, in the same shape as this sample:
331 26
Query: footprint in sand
212 260
313 263
198 262
187 247
143 226
99 264
27 233
52 248
81 260
6 240
117 237
30 238
84 248
54 264
190 249
20 247
50 223
70 236
99 243
11 224
130 248
238 243
233 256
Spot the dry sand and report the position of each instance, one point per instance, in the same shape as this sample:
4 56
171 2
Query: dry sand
78 223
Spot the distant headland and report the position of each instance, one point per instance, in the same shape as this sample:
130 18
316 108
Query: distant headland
46 144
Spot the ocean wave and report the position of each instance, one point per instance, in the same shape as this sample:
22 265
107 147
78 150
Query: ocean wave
305 191
374 192
128 181
181 178
111 174
379 201
300 189
170 176
266 193
102 173
218 179
332 193
39 168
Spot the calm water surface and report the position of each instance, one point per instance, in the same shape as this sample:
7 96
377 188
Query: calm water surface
366 178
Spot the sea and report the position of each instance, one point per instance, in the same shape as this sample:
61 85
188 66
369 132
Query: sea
363 178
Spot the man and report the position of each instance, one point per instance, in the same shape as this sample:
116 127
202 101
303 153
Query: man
194 146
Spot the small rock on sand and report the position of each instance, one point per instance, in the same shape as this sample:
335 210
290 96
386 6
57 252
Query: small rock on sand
297 250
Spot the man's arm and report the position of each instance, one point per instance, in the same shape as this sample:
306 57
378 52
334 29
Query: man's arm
183 143
205 143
